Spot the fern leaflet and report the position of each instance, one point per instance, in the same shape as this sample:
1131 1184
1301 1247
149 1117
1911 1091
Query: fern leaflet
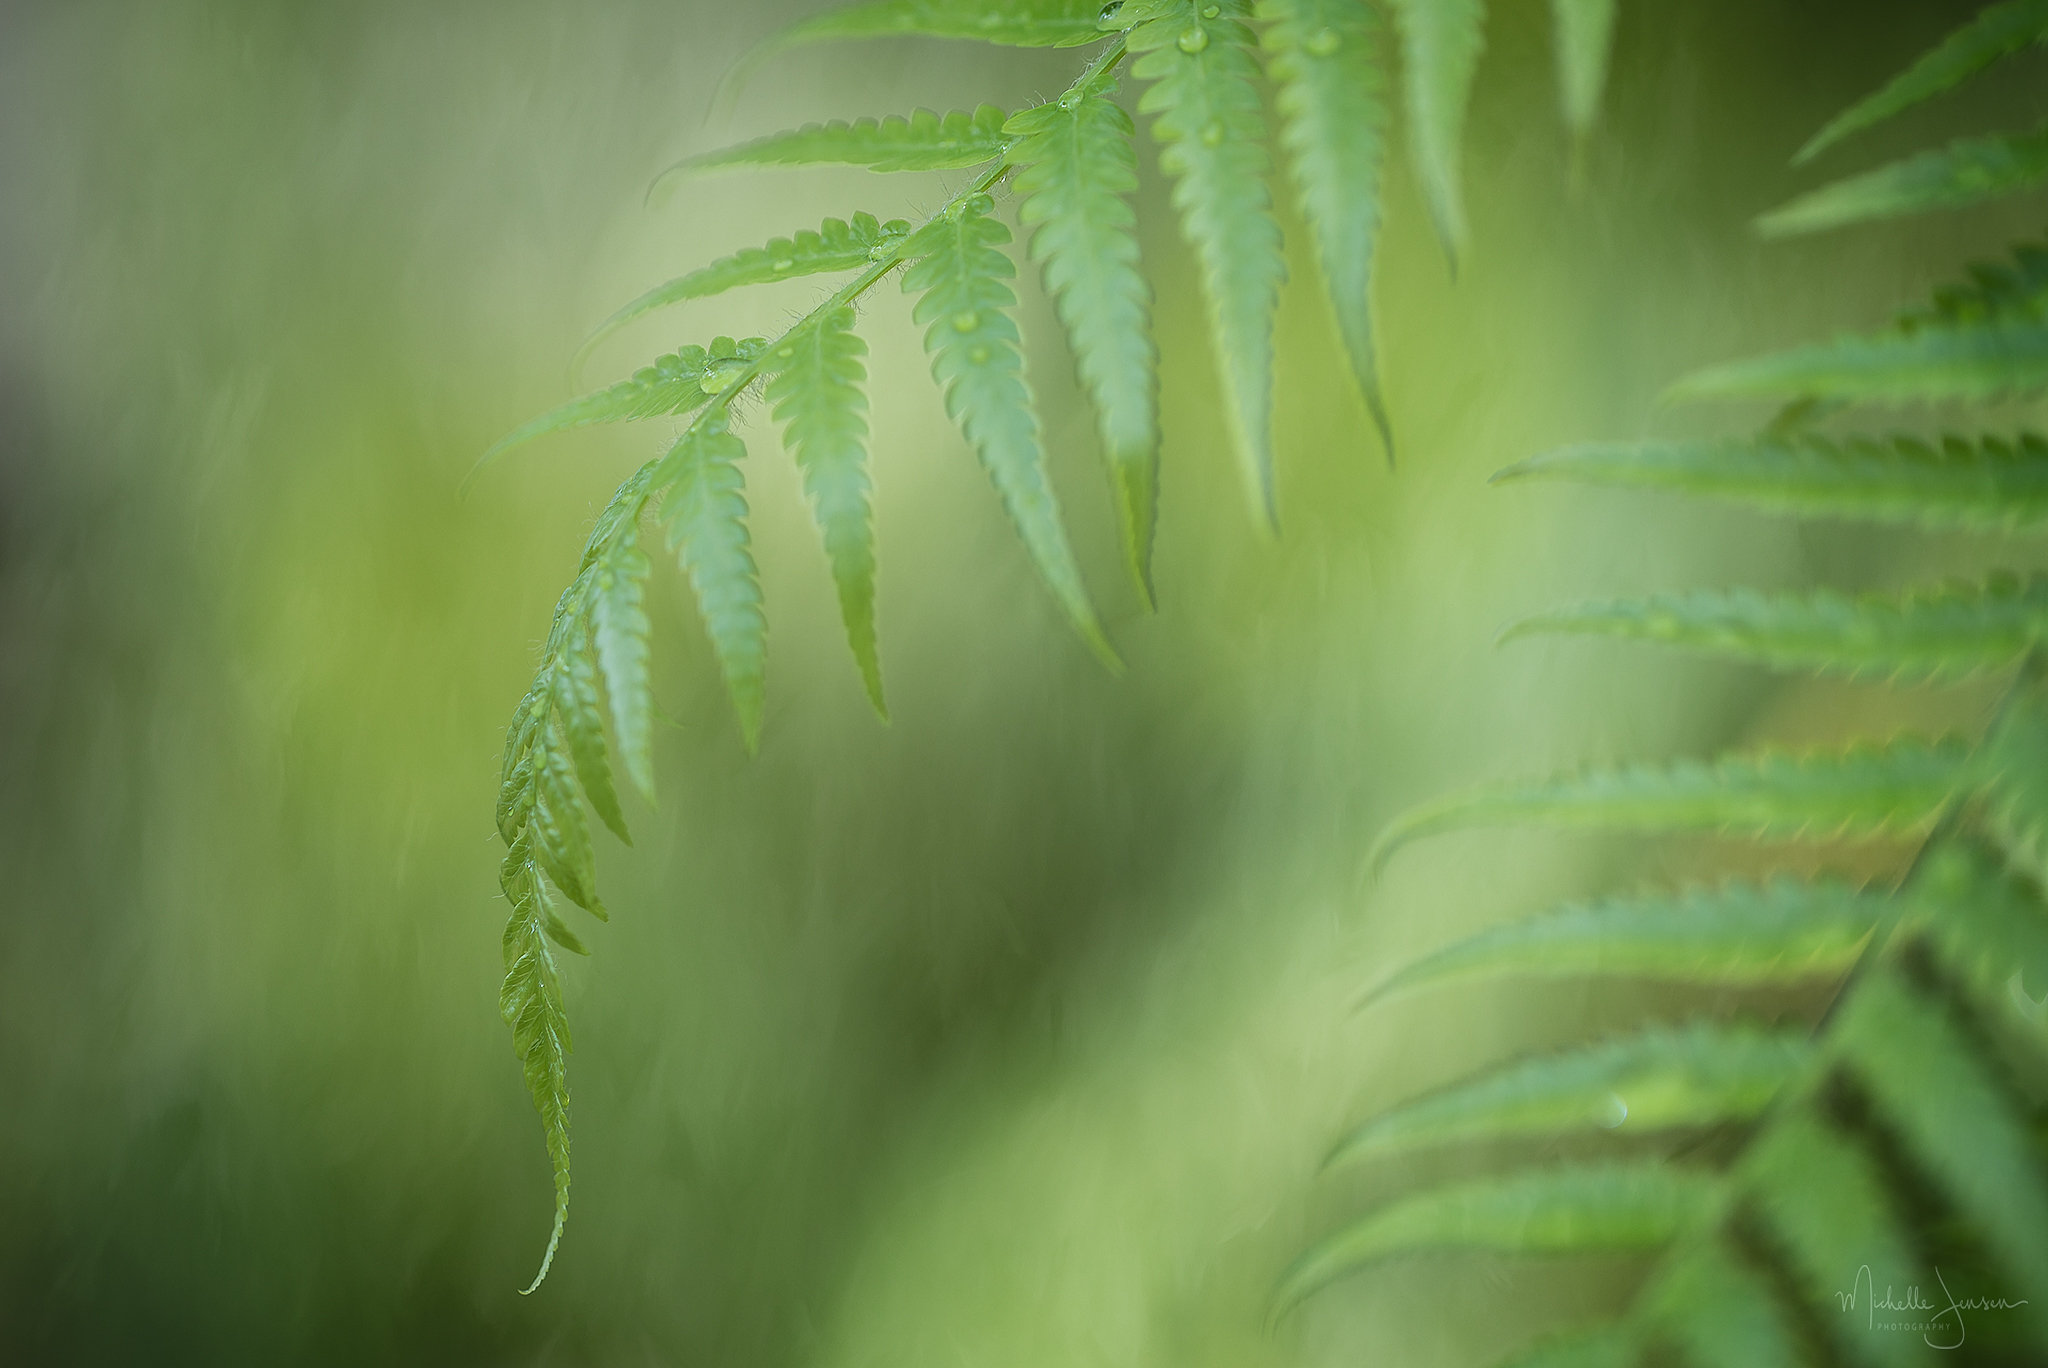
1996 32
1077 165
531 1003
817 396
837 245
1966 172
1740 933
1944 633
1585 38
705 513
925 141
1866 790
1017 23
1986 484
1327 56
677 383
620 632
1441 41
964 305
1655 1081
1212 136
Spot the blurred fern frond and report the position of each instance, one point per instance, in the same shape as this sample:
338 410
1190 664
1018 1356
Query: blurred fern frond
1904 1129
1202 68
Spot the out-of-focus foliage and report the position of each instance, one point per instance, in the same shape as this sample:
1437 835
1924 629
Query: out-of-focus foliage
1013 1032
1908 1133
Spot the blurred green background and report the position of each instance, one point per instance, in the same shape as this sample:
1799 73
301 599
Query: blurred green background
1013 1032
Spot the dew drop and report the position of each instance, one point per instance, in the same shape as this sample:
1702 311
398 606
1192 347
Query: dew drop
780 264
1194 39
1212 133
1610 1112
967 320
1211 11
978 355
1324 42
1070 100
1109 10
785 352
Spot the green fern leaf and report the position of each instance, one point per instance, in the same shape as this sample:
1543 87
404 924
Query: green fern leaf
1717 1310
1933 363
973 342
531 1003
1078 166
1966 172
1740 933
1934 1089
925 141
1996 32
1612 1345
1572 1209
1327 56
836 246
1013 23
705 513
561 838
582 713
1985 485
817 397
1585 38
1440 45
1865 791
1949 632
1660 1080
1827 1205
621 631
677 383
1212 134
2014 291
516 782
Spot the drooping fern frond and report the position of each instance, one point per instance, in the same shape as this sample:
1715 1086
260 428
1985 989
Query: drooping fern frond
1072 163
1949 632
1077 165
1982 484
1326 56
1997 32
1213 143
1904 1128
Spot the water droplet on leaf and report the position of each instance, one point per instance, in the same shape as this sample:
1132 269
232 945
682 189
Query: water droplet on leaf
782 264
1194 39
1610 1112
967 320
1212 134
1070 100
1324 42
1211 11
978 355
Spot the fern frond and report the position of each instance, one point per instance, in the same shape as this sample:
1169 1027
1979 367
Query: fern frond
2015 290
837 245
1948 632
561 837
677 383
1567 1210
1825 1203
620 631
1867 790
582 713
925 141
1440 45
1738 934
1966 172
1996 32
1078 166
1613 1345
817 397
1987 484
705 512
531 1003
1659 1080
1327 56
1212 133
1717 1310
1013 23
1934 1089
1987 361
1985 922
1585 38
958 278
